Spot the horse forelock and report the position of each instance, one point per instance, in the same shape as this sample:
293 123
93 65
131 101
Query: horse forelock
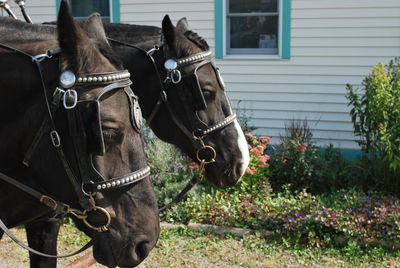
197 39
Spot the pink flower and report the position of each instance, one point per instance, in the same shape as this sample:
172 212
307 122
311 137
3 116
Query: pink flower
255 151
251 170
263 165
263 158
249 135
302 147
260 148
193 165
265 138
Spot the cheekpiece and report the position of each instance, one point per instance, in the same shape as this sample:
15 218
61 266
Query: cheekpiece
103 78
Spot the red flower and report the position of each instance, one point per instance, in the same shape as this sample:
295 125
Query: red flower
249 135
193 165
302 147
255 151
251 170
265 138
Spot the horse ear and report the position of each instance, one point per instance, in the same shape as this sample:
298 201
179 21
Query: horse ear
72 39
94 28
168 31
182 25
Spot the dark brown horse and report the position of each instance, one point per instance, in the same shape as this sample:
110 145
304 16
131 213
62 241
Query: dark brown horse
87 157
179 42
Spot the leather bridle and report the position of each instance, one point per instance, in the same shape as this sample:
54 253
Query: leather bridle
91 181
205 154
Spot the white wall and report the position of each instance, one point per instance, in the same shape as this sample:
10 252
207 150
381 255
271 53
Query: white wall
333 43
38 10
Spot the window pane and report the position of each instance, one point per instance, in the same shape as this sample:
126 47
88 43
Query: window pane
254 32
248 6
83 8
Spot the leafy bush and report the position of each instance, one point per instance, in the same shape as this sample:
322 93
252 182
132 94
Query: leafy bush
376 112
293 159
170 170
242 204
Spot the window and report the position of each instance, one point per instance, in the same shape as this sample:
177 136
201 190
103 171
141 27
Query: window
108 9
253 27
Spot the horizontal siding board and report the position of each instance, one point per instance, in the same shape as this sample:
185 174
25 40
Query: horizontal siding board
283 115
322 13
355 4
392 41
292 79
315 23
346 32
293 69
289 97
266 88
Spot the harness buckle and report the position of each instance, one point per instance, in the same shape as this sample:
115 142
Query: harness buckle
175 76
151 51
48 201
55 138
41 57
70 99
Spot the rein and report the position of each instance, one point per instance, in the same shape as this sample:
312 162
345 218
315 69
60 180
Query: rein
87 188
205 154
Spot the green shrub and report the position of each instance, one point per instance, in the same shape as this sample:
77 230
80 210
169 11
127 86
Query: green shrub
241 205
293 159
169 172
375 113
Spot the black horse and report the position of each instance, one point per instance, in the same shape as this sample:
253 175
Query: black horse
78 139
201 85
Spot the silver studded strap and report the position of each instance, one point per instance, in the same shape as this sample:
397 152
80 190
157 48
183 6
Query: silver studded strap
120 182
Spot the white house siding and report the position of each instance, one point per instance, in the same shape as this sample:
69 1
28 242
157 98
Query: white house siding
332 43
38 10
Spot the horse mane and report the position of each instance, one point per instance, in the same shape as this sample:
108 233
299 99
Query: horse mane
197 39
19 31
133 33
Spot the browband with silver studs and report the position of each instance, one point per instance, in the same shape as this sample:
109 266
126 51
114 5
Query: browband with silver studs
103 77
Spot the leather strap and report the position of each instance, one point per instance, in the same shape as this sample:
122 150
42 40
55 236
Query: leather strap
190 184
20 243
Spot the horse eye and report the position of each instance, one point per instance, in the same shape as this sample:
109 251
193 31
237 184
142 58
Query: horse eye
110 133
208 93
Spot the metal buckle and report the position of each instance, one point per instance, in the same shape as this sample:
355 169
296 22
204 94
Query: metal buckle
152 50
67 95
55 138
175 76
48 201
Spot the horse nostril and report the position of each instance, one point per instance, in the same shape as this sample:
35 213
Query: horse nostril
142 249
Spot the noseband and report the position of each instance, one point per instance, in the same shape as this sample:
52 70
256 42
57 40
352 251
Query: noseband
91 180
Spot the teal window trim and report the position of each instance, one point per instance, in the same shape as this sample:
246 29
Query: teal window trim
115 10
219 29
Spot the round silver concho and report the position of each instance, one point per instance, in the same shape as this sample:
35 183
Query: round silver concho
170 64
67 79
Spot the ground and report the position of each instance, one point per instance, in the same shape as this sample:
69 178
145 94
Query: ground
182 247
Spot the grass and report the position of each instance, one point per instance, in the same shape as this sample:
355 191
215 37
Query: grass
184 247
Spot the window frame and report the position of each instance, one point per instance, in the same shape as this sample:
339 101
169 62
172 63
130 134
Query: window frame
221 33
115 13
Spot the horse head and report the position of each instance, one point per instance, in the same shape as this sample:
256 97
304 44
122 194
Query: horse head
94 161
203 123
113 146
